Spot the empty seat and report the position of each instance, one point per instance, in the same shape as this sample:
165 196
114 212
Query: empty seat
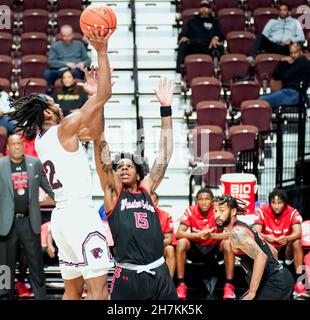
262 16
257 113
211 113
205 88
242 137
243 90
222 4
36 4
6 41
189 14
5 85
5 66
232 67
217 164
33 66
198 65
189 4
265 63
35 20
34 43
205 139
70 17
35 85
70 4
254 4
232 19
240 42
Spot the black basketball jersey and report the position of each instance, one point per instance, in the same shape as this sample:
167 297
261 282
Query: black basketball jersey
247 262
135 228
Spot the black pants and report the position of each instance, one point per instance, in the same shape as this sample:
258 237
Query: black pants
278 286
21 231
262 43
130 285
187 48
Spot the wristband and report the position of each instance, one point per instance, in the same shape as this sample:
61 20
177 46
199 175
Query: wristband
165 111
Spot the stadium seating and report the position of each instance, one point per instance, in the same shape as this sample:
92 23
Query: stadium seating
35 85
33 66
232 19
35 20
242 137
243 90
205 88
211 113
5 66
33 43
240 42
6 40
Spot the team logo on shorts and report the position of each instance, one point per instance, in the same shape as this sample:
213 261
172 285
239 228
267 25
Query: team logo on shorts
97 253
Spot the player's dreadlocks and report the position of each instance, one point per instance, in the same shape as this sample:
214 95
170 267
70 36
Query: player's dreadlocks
28 113
232 202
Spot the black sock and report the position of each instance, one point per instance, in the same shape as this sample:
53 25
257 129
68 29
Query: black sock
230 281
181 280
297 275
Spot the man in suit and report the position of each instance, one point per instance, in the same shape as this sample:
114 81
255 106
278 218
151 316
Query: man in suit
20 217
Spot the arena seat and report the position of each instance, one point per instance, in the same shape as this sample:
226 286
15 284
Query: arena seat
242 138
35 85
70 17
188 14
6 40
232 19
240 42
70 4
243 90
211 113
5 85
205 88
33 65
5 66
254 4
197 65
233 66
36 4
35 20
223 4
257 113
33 43
189 4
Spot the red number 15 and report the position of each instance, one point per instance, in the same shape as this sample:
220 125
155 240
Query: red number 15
141 220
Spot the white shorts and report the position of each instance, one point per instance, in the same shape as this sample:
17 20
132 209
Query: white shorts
82 245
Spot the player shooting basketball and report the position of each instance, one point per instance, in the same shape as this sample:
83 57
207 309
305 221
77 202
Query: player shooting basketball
83 250
141 271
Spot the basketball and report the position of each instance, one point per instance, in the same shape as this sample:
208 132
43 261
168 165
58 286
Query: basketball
100 16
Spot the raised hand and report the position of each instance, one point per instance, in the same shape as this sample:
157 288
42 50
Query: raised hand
165 91
97 38
91 84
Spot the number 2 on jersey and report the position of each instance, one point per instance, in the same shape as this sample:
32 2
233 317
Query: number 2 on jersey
141 220
50 171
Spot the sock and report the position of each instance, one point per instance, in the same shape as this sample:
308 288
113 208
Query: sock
229 281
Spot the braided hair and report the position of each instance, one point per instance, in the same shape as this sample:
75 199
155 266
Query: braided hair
29 113
232 202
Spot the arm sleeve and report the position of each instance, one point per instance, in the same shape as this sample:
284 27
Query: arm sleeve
53 58
186 30
186 219
299 36
218 32
296 217
266 31
277 72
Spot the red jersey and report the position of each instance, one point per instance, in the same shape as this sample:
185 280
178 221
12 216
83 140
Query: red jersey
277 225
196 222
165 221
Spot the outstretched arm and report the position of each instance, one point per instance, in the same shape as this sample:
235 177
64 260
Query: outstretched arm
86 117
165 96
109 181
241 239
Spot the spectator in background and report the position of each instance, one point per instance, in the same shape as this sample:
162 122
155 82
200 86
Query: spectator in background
198 245
201 34
20 216
167 228
279 34
66 54
289 73
280 225
70 96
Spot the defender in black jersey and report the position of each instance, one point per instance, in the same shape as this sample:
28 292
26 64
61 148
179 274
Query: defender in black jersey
268 279
141 271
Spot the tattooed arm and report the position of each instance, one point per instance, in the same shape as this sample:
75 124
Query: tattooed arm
165 96
242 239
108 179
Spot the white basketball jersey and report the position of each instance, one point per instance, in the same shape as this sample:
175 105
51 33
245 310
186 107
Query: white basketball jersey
68 172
